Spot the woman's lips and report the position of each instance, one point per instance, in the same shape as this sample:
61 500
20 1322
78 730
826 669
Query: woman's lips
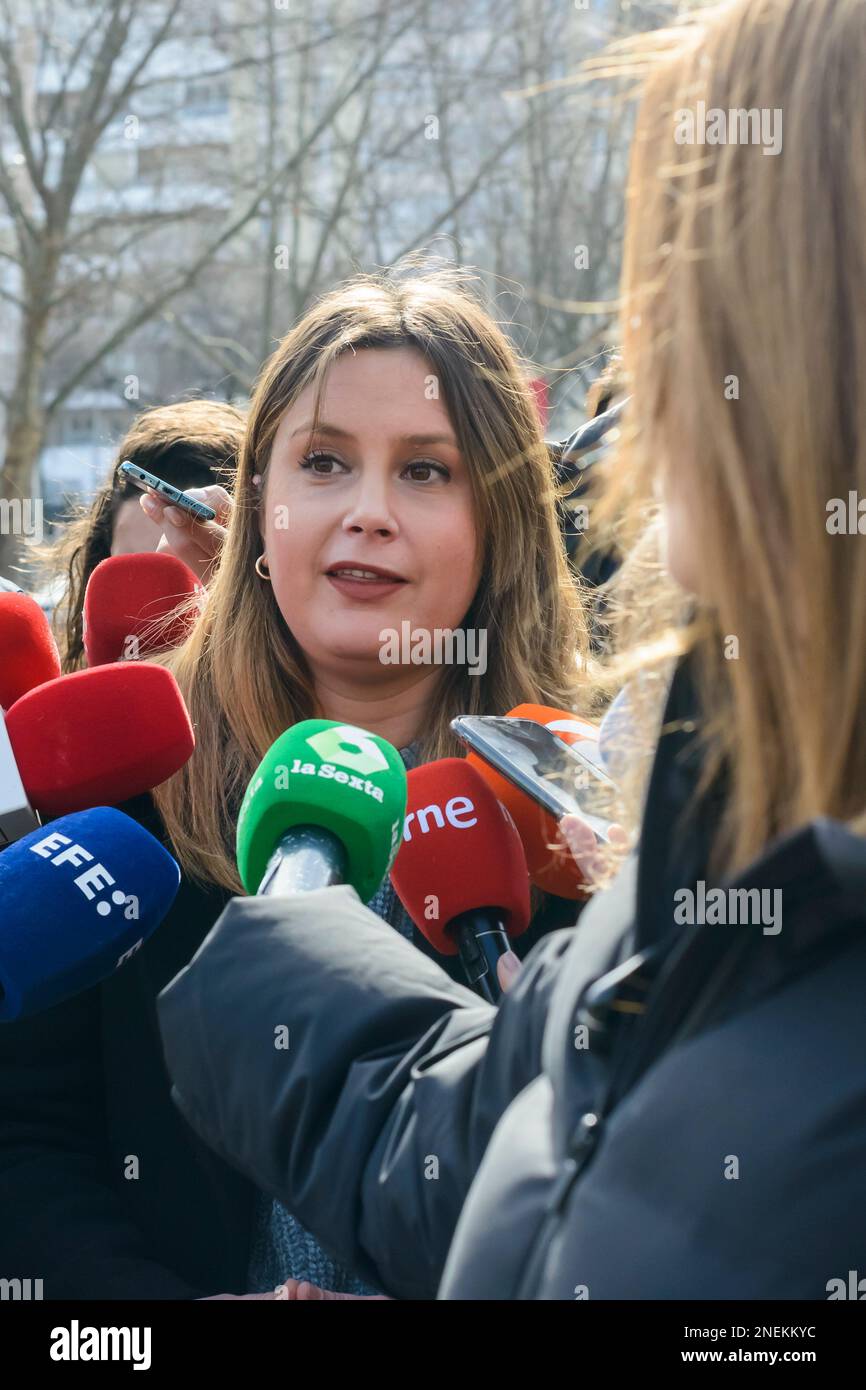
365 590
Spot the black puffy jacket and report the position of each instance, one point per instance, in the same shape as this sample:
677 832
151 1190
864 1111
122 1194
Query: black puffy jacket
654 1111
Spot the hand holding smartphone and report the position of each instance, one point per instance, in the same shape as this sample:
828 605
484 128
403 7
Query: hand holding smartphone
553 773
141 478
194 528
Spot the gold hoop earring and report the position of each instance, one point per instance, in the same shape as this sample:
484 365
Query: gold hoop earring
263 574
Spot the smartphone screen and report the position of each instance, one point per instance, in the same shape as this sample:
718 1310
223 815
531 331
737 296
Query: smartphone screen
551 772
150 482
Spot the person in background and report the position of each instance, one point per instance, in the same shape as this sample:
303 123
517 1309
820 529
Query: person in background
190 444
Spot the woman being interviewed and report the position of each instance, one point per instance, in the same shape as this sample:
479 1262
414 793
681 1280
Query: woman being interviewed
393 473
392 433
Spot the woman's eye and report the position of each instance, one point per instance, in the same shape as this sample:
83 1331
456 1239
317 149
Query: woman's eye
423 469
312 462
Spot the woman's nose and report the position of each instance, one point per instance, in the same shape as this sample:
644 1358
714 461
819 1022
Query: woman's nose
372 510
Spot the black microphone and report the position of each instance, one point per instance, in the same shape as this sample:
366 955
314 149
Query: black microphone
588 437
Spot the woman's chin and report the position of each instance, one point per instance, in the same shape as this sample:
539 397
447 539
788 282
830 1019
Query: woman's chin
362 653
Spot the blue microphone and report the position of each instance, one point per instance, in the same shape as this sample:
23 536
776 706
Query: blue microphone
78 897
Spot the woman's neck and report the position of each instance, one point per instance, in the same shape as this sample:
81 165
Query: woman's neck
396 712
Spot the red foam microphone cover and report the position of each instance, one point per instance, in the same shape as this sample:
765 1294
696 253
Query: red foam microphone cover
96 738
460 851
130 606
551 866
28 652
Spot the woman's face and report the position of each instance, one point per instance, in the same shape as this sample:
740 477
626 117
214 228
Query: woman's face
674 489
381 487
681 545
133 533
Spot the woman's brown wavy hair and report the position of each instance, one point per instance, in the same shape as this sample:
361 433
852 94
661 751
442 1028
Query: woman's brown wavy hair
241 671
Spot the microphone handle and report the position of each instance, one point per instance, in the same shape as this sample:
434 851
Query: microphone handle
306 858
482 939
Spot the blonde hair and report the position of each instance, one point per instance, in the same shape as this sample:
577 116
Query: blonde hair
243 674
744 341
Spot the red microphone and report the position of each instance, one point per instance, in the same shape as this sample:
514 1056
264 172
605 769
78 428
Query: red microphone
96 738
131 603
460 871
550 863
28 652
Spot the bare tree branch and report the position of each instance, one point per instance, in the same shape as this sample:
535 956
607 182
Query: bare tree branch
18 117
150 307
90 123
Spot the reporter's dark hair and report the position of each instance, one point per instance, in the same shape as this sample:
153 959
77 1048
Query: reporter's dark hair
190 444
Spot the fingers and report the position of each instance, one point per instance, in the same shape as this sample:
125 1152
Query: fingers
158 508
508 968
587 853
216 497
618 837
298 1291
579 838
197 543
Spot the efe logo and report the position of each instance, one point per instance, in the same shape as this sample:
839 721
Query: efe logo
92 880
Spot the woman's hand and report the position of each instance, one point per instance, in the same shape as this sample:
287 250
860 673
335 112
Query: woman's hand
299 1291
235 1297
580 839
586 852
197 543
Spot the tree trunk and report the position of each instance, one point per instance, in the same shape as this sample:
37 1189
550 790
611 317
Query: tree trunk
25 430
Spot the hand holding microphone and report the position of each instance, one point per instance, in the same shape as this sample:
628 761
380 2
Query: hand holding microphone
580 840
461 872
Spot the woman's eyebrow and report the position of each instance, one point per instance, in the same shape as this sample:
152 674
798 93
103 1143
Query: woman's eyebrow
337 433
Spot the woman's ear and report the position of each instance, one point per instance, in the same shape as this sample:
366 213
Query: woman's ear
256 482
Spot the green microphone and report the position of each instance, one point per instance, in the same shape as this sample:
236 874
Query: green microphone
325 805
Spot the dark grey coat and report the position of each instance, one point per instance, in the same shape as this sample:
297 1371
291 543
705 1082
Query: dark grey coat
693 1130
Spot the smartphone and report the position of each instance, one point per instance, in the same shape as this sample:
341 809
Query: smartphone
555 774
150 482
